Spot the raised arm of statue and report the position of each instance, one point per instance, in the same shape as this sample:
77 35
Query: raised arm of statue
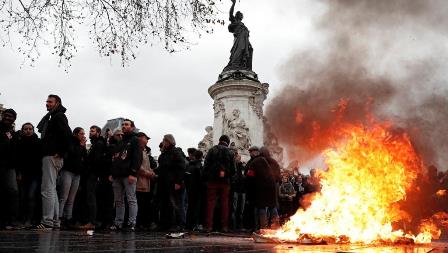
232 9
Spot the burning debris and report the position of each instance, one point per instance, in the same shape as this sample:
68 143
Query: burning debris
375 118
370 168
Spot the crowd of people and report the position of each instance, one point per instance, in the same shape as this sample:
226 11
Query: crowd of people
58 181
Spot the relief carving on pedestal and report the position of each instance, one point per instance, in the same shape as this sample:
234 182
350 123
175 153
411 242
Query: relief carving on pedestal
235 127
218 106
256 102
207 141
271 142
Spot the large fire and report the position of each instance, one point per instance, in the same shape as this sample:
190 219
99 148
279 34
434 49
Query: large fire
370 168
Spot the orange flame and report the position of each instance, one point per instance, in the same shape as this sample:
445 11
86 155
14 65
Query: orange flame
441 193
369 171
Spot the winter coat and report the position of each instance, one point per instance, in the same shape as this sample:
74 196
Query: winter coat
172 165
127 157
96 158
8 142
76 158
143 180
193 176
239 179
219 160
57 138
28 157
264 183
275 167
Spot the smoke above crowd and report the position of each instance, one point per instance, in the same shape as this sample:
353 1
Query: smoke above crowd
383 59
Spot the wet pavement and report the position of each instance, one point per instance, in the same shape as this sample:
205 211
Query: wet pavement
77 241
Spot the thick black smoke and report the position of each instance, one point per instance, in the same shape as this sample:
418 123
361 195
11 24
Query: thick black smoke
390 56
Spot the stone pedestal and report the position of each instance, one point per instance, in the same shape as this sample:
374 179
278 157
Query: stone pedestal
238 106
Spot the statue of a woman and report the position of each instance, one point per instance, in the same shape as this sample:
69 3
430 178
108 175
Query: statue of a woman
242 51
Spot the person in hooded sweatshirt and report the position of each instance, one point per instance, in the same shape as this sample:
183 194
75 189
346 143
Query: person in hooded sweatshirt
171 185
70 175
56 137
126 161
30 173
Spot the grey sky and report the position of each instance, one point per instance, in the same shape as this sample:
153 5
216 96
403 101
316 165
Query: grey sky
162 92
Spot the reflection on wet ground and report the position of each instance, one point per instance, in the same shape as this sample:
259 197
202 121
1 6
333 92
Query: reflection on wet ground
70 241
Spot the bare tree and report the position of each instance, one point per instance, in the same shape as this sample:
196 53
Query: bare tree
116 27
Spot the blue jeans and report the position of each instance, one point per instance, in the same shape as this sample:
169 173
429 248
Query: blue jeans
50 204
122 186
177 202
69 188
239 201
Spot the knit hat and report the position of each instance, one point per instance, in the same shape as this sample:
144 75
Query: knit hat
10 111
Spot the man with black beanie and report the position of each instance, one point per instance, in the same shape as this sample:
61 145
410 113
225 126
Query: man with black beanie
219 167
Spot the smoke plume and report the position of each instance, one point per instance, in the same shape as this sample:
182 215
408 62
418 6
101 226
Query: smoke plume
385 58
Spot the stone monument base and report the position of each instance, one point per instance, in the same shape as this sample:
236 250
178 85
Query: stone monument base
238 105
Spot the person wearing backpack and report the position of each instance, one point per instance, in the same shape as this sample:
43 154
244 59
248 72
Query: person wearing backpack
219 167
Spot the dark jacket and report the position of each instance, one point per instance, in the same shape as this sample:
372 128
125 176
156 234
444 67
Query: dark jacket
28 157
275 167
152 161
76 158
127 157
57 137
193 176
172 165
239 179
264 182
219 158
96 158
7 147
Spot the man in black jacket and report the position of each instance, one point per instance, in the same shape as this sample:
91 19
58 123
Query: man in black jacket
8 184
126 161
171 186
56 140
193 183
219 167
96 164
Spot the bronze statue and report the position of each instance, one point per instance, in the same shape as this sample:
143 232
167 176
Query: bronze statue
241 52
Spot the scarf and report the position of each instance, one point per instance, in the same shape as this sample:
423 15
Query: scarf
43 124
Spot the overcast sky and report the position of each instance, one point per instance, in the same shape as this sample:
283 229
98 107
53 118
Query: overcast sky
162 92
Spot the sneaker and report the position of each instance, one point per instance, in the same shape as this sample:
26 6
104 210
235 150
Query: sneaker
130 228
114 228
42 227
